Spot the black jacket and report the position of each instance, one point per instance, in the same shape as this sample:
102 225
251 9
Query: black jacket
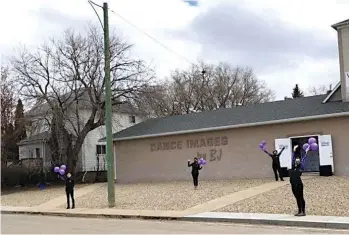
295 176
275 157
195 167
69 184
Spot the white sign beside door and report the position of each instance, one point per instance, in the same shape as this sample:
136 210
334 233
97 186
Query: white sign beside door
326 151
286 156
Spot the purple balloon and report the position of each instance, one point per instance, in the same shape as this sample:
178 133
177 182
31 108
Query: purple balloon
203 162
305 146
261 146
311 140
64 167
61 171
264 142
56 169
314 147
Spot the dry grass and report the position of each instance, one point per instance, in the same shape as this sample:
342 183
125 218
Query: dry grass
323 196
29 197
177 195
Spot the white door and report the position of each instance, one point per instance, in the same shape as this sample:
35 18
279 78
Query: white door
286 156
326 151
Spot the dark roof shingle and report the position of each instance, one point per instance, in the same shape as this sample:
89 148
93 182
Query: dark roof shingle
35 138
271 111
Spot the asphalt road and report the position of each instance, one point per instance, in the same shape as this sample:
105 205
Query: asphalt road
29 224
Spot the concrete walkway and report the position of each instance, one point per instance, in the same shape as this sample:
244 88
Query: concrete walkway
332 222
58 201
221 202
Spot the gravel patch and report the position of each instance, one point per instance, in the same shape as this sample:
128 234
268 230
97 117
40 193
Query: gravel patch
29 197
176 195
323 196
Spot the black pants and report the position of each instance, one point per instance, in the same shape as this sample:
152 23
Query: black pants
277 169
70 193
195 178
297 191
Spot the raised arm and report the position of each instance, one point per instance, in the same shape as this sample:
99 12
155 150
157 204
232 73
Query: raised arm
264 150
293 158
293 155
281 151
189 164
304 158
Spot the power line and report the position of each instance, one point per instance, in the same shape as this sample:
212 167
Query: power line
92 3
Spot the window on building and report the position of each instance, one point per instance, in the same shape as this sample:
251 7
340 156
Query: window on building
101 149
132 119
31 154
37 153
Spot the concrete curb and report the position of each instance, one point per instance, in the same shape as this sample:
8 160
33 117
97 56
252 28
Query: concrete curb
82 215
287 223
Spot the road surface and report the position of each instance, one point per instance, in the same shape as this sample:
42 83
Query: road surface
29 224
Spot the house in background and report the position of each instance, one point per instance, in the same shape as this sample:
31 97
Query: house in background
92 155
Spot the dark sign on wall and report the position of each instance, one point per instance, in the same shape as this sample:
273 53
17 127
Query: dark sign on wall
212 156
190 144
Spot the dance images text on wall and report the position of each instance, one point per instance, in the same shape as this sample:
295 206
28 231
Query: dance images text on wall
190 144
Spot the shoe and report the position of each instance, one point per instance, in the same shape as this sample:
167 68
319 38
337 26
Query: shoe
282 180
301 214
73 207
68 207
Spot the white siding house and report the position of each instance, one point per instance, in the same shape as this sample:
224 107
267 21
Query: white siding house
92 155
92 148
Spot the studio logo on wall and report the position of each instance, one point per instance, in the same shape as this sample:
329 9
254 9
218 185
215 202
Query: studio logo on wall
324 144
283 146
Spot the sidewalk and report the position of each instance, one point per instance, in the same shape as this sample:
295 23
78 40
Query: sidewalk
267 219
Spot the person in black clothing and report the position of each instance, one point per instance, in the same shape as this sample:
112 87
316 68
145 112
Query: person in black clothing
296 181
195 168
275 156
69 190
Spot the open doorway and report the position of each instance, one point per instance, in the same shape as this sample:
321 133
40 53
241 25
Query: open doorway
312 163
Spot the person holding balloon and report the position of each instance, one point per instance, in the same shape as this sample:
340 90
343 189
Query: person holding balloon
298 164
196 166
295 179
69 190
275 156
69 184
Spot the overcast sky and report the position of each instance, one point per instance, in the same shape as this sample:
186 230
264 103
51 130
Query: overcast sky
285 42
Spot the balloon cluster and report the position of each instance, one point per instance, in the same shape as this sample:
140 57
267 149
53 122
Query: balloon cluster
60 170
311 145
263 145
202 161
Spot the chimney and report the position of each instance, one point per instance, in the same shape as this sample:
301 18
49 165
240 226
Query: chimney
329 90
343 49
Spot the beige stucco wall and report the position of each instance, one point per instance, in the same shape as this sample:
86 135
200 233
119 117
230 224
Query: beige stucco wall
241 157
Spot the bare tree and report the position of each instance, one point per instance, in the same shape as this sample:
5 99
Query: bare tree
205 87
66 78
8 140
319 90
7 100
